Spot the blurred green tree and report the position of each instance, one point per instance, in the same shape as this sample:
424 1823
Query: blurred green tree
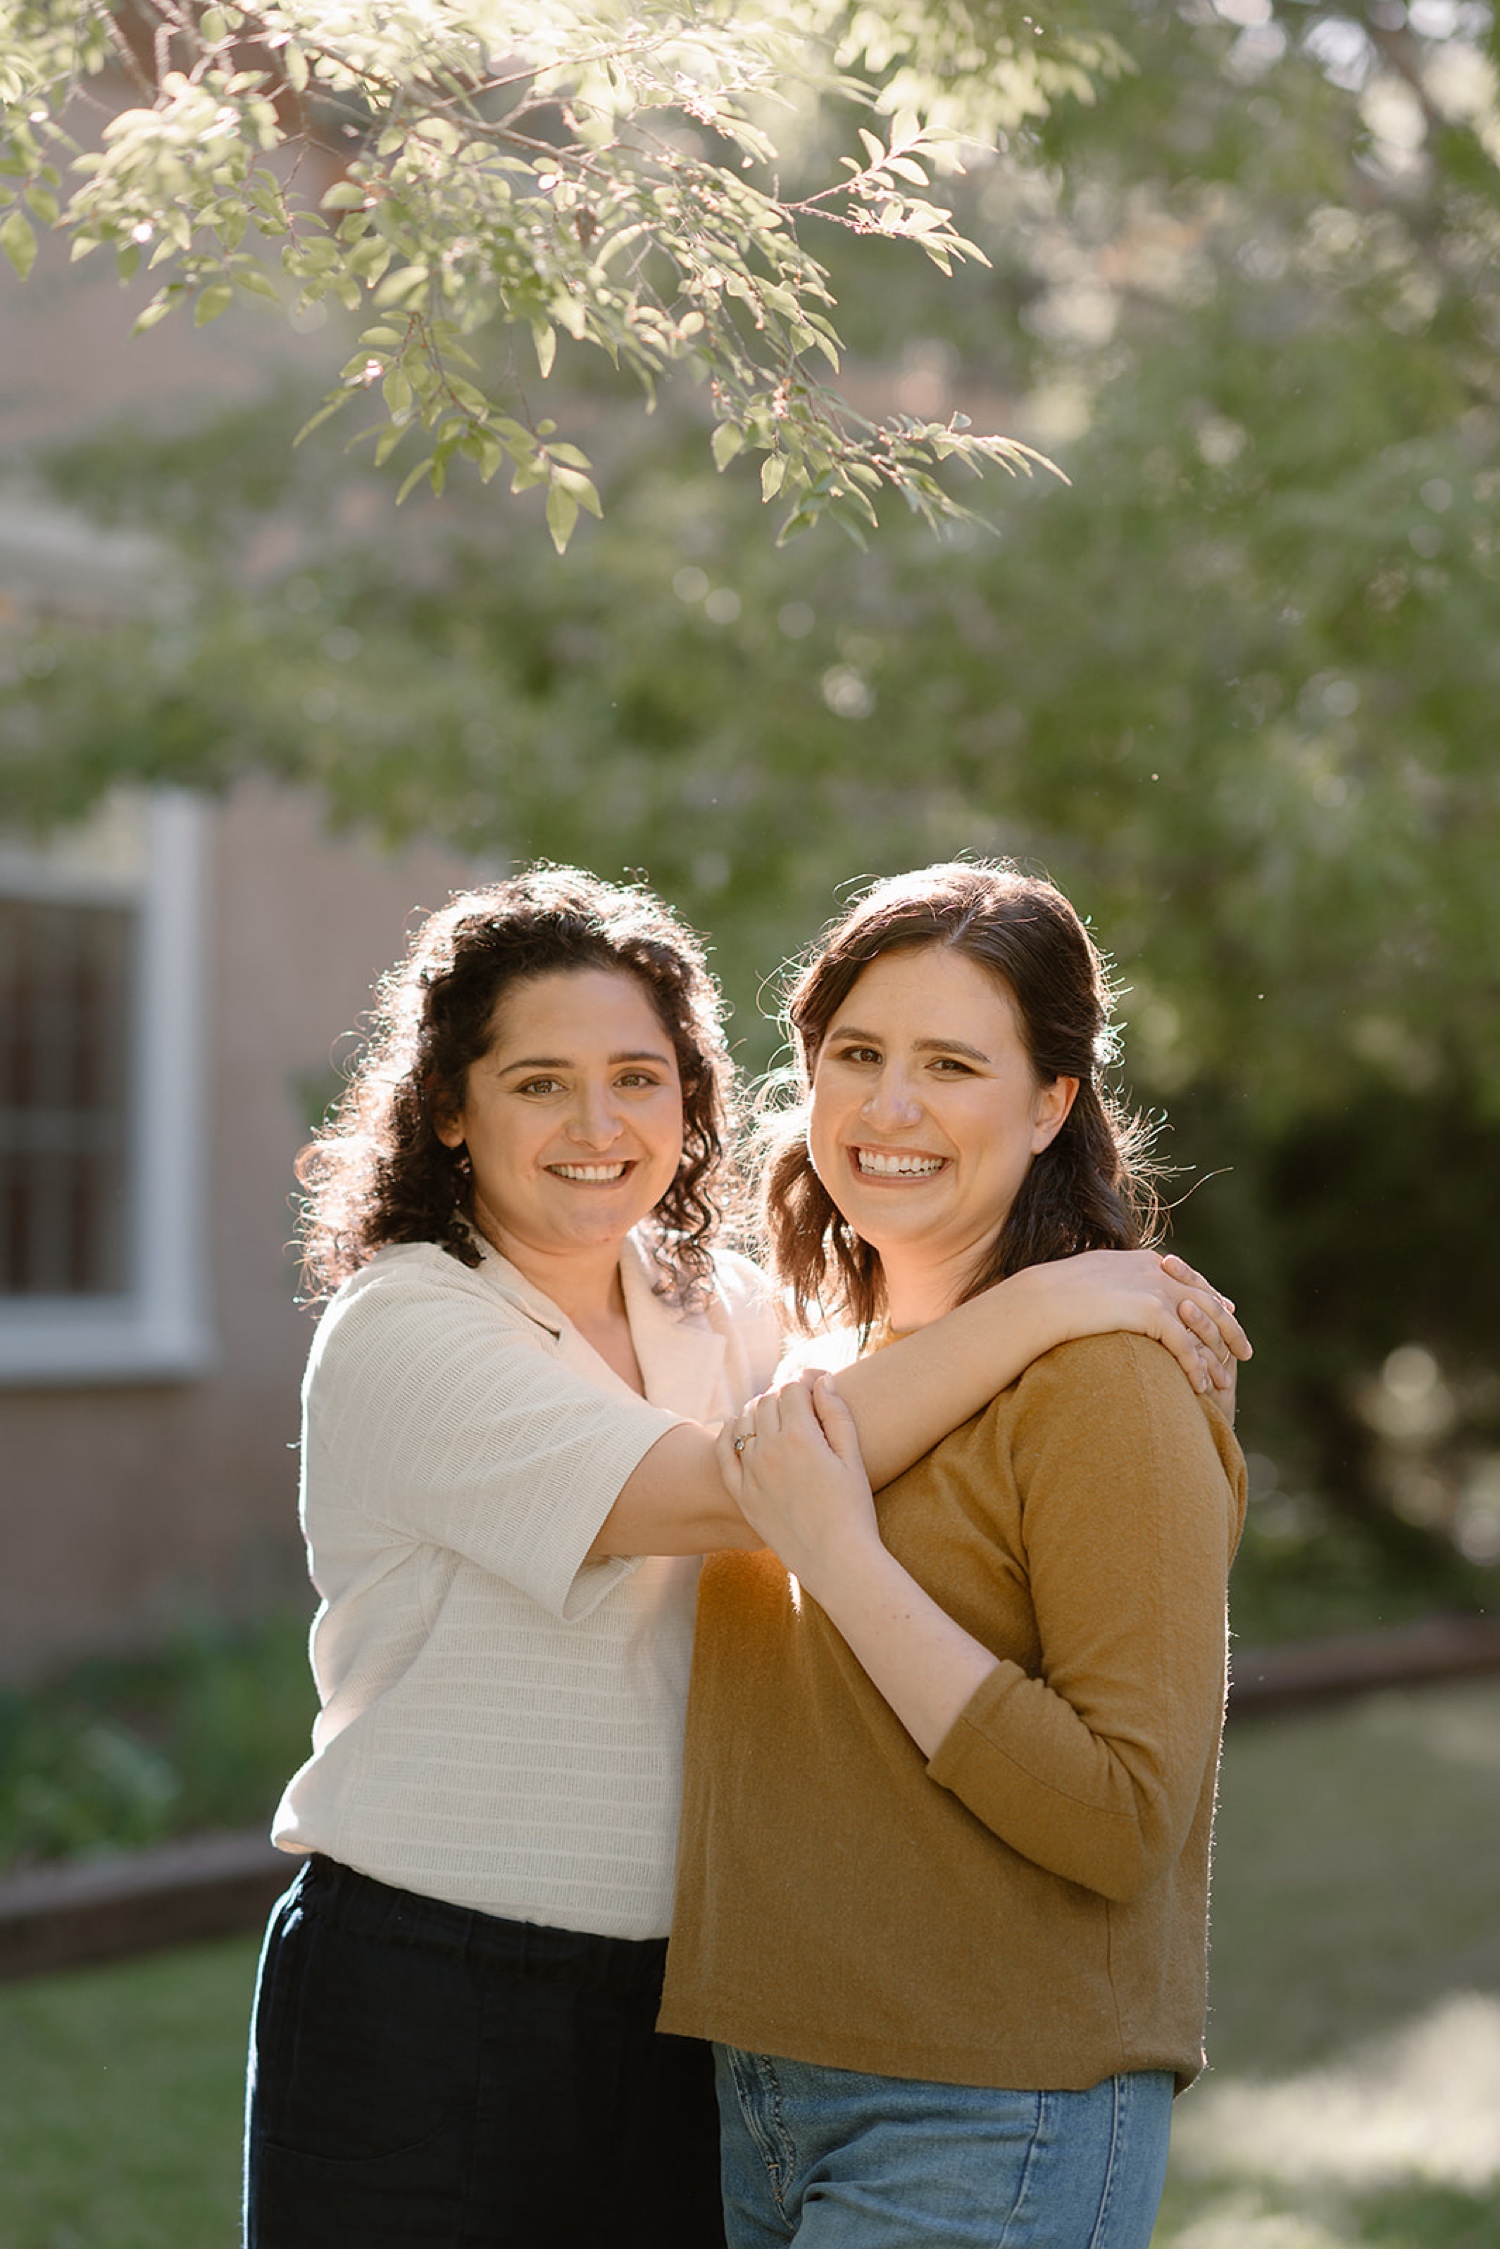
1234 688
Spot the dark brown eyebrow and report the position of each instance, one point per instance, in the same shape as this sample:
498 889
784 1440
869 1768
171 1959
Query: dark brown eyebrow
923 1046
563 1062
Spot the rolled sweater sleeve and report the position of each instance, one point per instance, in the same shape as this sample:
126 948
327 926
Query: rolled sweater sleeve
438 1412
1125 1515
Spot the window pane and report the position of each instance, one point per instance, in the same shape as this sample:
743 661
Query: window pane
65 993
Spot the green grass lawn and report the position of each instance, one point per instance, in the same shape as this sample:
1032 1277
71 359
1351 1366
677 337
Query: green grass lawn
1354 2101
120 2098
1354 2096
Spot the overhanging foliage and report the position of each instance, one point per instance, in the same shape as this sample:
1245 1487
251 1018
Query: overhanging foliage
608 169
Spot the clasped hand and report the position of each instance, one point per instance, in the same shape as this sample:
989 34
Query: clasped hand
792 1463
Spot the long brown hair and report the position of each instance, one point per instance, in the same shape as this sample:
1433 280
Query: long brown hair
378 1172
1090 1189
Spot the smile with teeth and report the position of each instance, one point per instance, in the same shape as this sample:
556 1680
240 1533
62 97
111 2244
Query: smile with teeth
590 1175
892 1163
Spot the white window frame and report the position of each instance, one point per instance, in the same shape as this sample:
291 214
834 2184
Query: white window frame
158 1329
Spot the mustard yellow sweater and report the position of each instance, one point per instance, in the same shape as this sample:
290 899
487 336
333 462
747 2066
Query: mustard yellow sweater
1030 1908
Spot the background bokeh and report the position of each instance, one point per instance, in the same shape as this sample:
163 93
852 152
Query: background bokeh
1232 684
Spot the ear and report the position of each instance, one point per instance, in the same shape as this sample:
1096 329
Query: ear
1053 1103
450 1129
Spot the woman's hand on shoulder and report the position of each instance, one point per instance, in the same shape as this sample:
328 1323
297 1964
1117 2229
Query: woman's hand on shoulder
1105 1290
791 1460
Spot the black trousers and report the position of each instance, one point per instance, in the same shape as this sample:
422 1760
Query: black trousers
426 2077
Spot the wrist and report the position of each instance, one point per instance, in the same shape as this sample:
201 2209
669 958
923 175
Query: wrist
850 1575
1035 1305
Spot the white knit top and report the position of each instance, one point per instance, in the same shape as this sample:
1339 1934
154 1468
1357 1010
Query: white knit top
501 1721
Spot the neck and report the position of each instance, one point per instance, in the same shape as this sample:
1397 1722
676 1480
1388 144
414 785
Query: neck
919 1291
584 1282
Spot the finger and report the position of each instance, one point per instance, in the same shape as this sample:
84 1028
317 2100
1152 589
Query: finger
747 1425
837 1424
1215 1323
794 1411
1191 1354
1231 1334
1216 1357
731 1473
774 1409
1180 1270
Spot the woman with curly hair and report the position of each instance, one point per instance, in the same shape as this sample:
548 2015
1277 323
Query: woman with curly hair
513 1397
951 1753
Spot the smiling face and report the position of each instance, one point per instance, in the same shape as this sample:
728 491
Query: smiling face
925 1116
572 1119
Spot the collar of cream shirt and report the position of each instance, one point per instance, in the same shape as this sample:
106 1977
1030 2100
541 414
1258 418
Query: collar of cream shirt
681 1353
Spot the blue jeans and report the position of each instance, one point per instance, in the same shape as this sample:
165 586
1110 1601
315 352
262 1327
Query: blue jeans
837 2159
426 2077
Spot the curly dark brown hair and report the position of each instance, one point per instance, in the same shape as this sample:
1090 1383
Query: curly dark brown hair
378 1173
1090 1189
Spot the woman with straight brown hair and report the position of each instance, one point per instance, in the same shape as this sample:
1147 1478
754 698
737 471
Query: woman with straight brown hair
943 1881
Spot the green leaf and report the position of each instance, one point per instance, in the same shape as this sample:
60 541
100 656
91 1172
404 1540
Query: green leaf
18 241
468 396
44 203
402 286
772 475
422 469
295 64
216 298
329 407
562 515
544 336
725 443
257 283
369 259
344 195
581 487
158 309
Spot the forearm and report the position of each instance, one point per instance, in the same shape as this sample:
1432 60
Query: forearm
674 1502
906 1398
924 1664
